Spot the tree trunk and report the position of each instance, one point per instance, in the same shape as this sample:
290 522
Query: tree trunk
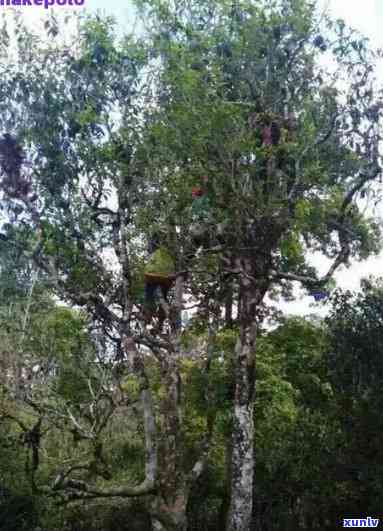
240 511
242 462
169 509
170 515
229 307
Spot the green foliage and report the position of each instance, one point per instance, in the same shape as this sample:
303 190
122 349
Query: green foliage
59 331
296 428
160 264
17 513
129 516
72 386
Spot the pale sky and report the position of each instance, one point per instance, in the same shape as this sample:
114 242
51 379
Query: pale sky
365 15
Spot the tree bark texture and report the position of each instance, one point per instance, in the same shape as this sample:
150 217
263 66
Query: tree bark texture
169 509
242 448
242 459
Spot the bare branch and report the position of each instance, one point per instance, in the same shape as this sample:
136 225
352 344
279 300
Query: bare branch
148 486
201 463
307 280
144 488
78 426
364 178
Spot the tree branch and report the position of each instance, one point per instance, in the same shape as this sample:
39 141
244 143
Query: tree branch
148 486
339 260
358 186
201 463
144 488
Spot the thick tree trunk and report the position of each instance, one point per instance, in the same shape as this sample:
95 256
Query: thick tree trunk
170 507
242 457
242 464
174 482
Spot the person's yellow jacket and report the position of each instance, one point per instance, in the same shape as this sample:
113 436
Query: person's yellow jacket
160 266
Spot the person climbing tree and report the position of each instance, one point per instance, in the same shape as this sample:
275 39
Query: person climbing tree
275 133
159 276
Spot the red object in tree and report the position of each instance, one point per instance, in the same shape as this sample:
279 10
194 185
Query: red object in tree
197 191
267 136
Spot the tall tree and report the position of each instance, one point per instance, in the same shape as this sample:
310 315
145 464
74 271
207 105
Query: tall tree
275 109
73 178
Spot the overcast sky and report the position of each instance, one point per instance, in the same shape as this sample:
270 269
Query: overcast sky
367 17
